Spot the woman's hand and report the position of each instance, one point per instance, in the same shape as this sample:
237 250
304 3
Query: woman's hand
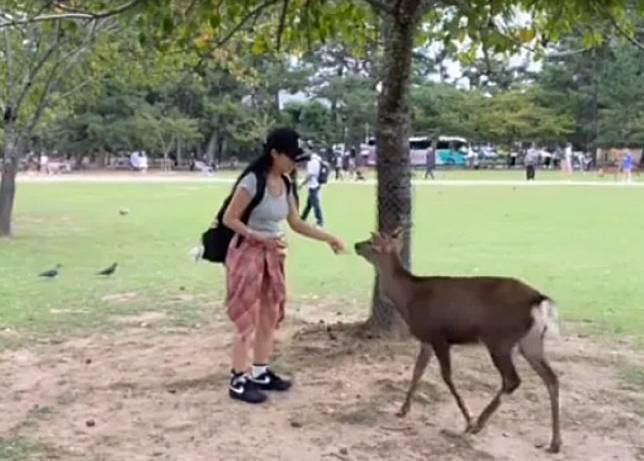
336 245
269 240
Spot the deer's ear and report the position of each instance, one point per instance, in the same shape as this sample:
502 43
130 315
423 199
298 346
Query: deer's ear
378 237
397 232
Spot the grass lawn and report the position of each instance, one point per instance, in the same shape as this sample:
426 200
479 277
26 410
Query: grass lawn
581 245
498 174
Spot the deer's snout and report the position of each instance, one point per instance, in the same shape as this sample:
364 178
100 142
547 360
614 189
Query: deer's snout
361 247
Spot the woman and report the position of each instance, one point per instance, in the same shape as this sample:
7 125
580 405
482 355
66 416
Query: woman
255 263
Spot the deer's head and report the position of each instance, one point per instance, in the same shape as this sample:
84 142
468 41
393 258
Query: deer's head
380 247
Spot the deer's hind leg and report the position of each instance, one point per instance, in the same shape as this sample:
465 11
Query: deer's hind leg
421 363
531 347
442 351
502 359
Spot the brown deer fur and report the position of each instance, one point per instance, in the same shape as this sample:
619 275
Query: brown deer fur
502 313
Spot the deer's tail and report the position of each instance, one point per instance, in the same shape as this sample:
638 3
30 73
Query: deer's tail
546 318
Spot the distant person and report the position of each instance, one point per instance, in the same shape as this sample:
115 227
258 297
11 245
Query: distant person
531 161
315 176
627 166
567 161
512 159
547 158
587 159
143 162
43 161
135 160
345 163
430 162
556 158
338 166
352 163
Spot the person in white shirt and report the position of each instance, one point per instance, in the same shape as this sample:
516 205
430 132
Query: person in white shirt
567 161
143 162
134 160
313 168
44 160
338 165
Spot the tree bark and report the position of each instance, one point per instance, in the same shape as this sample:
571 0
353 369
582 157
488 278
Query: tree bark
221 148
212 145
8 181
392 144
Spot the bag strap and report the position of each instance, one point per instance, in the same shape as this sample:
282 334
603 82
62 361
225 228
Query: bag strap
256 200
260 190
287 184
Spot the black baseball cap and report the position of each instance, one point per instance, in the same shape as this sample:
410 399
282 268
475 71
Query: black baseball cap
286 141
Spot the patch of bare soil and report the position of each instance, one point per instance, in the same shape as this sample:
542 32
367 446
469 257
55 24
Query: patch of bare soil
146 394
143 319
118 298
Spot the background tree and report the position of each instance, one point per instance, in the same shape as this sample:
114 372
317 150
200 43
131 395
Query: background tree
40 51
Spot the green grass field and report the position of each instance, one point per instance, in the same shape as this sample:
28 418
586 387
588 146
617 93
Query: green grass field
498 174
581 245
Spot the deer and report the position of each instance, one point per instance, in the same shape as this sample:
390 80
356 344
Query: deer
501 313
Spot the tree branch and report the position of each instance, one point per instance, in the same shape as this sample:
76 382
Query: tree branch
623 32
251 14
75 89
61 67
282 24
71 58
42 102
381 7
565 54
9 58
87 16
33 73
193 3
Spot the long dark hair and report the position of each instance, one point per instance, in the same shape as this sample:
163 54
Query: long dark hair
262 165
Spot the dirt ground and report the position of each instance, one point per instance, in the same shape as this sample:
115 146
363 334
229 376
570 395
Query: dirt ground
154 392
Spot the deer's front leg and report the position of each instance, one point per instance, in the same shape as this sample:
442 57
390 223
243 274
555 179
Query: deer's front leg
419 369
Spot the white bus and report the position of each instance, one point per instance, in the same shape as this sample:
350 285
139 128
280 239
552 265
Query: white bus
449 150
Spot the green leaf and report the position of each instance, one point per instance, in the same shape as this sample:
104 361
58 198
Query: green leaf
215 21
168 25
527 34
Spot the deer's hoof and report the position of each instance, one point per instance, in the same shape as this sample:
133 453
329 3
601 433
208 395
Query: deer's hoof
474 428
402 412
554 447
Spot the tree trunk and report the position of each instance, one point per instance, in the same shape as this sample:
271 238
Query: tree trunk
102 159
392 144
8 181
276 103
179 153
210 149
221 148
7 195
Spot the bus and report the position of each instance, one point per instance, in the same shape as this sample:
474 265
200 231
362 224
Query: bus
450 151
